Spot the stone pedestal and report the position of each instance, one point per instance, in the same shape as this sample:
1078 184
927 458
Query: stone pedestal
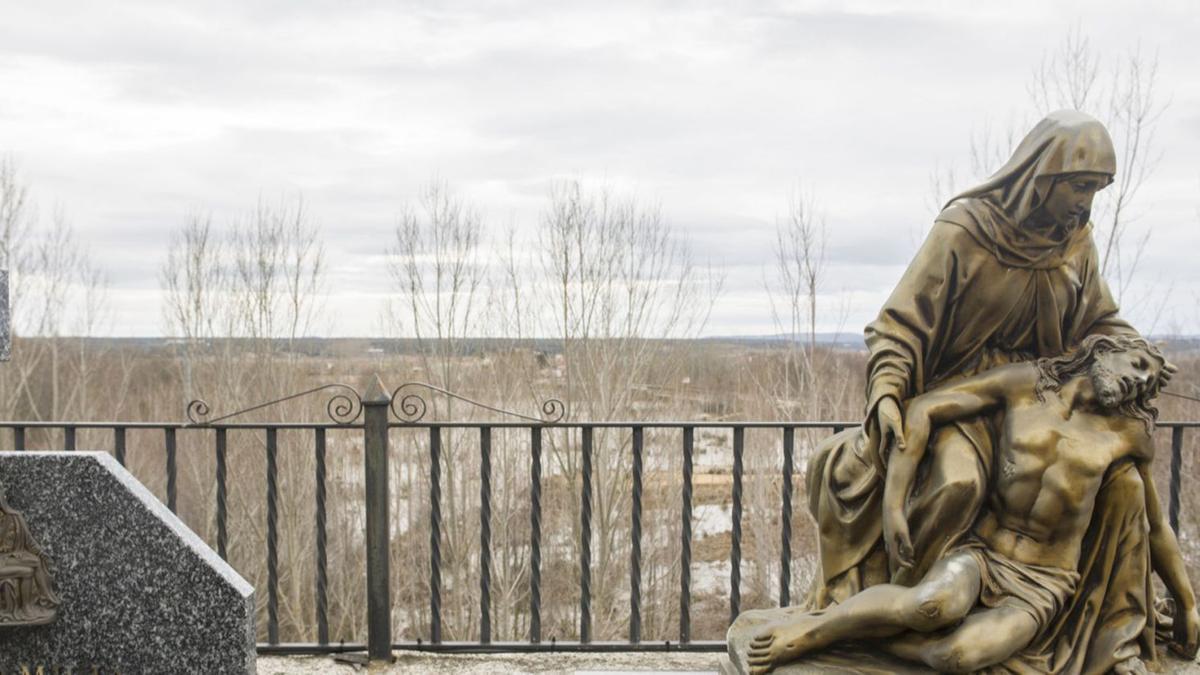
139 591
856 658
838 660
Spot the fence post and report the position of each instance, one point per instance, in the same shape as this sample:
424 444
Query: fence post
379 597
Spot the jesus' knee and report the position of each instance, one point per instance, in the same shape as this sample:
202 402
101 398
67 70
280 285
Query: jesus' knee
984 639
932 606
950 656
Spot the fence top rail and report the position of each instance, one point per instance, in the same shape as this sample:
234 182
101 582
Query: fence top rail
177 425
625 424
476 424
680 424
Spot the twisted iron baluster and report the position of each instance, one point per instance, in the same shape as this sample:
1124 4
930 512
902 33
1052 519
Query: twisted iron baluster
435 535
785 520
322 561
1176 472
635 543
735 553
535 536
272 541
585 541
685 559
485 535
222 507
172 472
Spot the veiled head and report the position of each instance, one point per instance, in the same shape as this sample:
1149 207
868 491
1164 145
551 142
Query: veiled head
1064 143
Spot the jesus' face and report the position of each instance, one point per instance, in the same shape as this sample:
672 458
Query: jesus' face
1122 376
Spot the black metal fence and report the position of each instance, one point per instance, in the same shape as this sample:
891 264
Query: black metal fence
370 420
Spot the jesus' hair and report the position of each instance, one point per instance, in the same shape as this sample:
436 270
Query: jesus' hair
1053 372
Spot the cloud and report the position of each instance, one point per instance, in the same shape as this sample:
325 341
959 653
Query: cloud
135 115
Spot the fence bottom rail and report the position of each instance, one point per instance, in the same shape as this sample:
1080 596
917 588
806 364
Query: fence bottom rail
548 647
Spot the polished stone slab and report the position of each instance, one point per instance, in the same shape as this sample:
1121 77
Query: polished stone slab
140 592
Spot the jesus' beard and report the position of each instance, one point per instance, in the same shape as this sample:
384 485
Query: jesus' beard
1104 383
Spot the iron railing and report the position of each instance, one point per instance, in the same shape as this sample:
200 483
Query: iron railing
371 417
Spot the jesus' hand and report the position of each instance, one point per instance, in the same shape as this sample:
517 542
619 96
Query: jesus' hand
897 539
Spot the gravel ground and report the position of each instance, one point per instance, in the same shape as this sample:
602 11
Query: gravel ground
419 663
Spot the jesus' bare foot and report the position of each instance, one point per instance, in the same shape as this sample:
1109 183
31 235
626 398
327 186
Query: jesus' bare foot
782 642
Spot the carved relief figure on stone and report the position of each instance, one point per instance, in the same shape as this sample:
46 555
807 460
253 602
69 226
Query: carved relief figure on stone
1065 425
26 593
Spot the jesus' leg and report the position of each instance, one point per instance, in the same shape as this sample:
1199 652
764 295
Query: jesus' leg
944 596
985 638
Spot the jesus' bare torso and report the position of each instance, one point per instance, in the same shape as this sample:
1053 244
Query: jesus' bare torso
1050 462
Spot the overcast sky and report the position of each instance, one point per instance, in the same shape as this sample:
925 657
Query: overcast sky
129 116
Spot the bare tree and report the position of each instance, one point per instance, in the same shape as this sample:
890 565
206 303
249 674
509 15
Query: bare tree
608 284
1127 102
438 271
193 282
436 266
800 242
1066 77
278 271
240 299
59 298
619 280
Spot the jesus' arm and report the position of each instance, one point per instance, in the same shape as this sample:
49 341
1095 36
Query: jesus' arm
1168 562
964 399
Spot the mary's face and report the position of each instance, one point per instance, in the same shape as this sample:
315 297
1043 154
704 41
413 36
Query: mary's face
1070 198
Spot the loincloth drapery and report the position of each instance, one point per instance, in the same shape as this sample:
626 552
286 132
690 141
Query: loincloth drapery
1039 590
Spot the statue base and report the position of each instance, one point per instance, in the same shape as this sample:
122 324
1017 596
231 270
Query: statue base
858 658
842 659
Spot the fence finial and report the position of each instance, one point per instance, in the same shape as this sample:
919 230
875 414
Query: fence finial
376 393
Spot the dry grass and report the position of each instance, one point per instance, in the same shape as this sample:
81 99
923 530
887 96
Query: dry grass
687 381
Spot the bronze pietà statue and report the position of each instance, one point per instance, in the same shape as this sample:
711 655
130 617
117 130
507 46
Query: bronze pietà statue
995 510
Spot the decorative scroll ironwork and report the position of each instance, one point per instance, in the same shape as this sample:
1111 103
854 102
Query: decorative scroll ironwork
343 408
412 407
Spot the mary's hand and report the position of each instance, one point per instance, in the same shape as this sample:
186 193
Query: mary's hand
890 423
